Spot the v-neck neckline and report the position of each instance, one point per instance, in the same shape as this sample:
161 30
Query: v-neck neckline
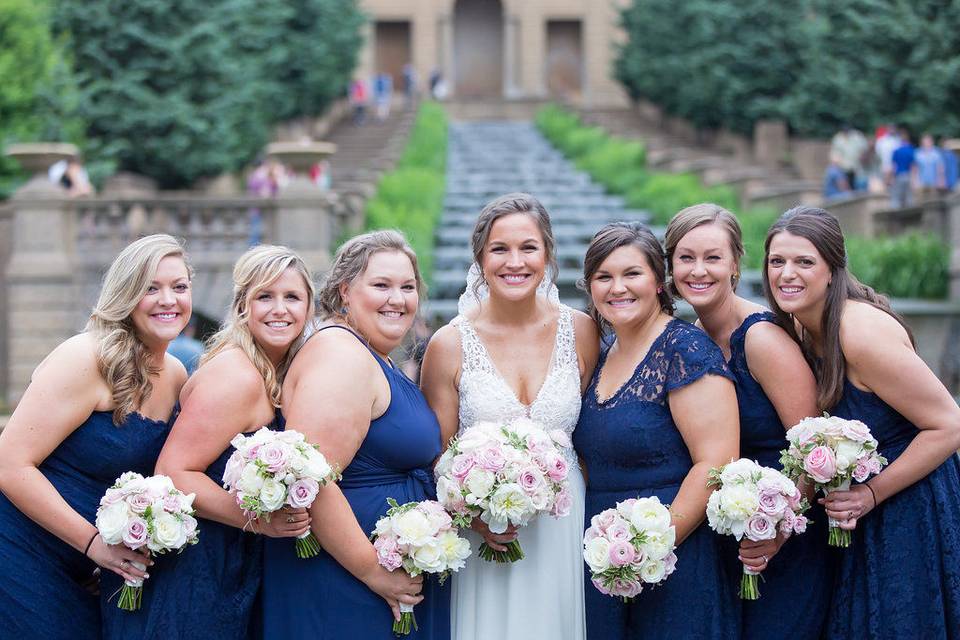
599 371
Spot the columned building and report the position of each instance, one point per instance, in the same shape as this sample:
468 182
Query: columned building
499 49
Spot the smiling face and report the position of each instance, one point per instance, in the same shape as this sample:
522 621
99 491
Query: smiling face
797 273
383 300
624 288
704 266
277 313
165 308
514 257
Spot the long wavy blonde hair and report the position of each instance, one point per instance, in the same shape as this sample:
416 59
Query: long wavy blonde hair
255 270
122 358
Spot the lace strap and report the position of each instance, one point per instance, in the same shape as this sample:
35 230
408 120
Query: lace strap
475 356
566 338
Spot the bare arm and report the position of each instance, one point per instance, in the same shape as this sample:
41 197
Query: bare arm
439 378
226 397
588 346
706 415
332 392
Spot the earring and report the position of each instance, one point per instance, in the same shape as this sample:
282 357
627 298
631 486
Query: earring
660 289
344 310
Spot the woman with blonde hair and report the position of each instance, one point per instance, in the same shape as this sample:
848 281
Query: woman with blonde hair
100 404
344 393
775 390
209 590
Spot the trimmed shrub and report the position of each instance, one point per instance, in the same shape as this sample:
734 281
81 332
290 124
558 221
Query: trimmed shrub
909 266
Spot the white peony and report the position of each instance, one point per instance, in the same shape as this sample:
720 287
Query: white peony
413 528
455 549
596 553
250 480
741 470
507 504
738 502
648 514
479 483
112 522
659 545
429 557
273 494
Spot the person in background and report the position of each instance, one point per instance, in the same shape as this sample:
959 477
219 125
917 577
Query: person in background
835 183
71 175
951 173
358 100
888 141
409 84
186 348
849 145
930 170
383 94
903 172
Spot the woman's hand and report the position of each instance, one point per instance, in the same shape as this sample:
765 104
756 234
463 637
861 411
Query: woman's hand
846 507
394 587
285 523
756 555
120 559
495 541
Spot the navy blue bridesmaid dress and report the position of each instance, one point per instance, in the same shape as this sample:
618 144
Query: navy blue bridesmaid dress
631 448
40 589
316 598
795 587
900 578
208 591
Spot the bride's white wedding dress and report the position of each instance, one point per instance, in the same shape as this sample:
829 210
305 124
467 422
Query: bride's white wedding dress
540 596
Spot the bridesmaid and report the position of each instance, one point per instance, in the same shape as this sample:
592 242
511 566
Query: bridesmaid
100 404
345 394
659 412
775 390
209 590
901 576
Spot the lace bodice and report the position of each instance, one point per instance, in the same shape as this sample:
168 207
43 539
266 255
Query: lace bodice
486 396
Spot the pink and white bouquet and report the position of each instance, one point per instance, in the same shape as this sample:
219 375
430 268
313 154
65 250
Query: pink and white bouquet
630 546
754 502
831 452
419 537
273 469
506 475
145 512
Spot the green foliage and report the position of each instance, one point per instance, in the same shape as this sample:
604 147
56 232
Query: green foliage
410 198
814 63
909 266
754 224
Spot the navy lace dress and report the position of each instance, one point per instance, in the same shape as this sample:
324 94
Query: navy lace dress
40 585
207 591
795 588
900 578
316 598
631 448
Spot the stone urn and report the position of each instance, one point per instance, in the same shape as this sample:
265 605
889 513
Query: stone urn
36 158
300 157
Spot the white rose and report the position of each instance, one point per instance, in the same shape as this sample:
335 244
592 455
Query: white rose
290 437
112 522
413 528
479 483
653 571
316 466
648 514
847 453
231 473
741 470
596 553
659 545
273 493
429 558
168 533
250 480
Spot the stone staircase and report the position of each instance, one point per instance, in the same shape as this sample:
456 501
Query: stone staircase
489 159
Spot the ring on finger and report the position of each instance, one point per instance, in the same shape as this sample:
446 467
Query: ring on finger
124 563
765 559
289 519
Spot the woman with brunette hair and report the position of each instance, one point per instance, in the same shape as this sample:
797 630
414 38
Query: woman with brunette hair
515 352
210 589
775 390
100 404
901 575
659 413
344 393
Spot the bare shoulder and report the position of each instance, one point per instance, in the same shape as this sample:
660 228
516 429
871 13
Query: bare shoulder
763 337
75 358
866 331
332 348
584 324
178 372
232 371
445 342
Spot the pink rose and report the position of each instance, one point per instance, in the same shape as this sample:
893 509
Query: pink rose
558 469
670 563
112 496
135 535
855 430
302 493
491 458
772 502
589 535
598 583
787 522
621 553
275 455
618 531
603 520
560 438
627 588
760 527
530 480
820 464
462 464
537 443
139 502
388 553
171 503
794 499
800 524
562 504
861 472
873 464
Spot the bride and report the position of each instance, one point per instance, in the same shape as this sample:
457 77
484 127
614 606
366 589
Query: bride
515 351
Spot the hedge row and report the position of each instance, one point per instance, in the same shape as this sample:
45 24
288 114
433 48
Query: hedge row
411 196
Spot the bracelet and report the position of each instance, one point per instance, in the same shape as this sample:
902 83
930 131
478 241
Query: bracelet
87 549
873 493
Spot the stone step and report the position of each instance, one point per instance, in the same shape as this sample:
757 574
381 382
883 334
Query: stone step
563 234
575 216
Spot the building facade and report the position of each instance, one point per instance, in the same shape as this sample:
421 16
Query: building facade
499 49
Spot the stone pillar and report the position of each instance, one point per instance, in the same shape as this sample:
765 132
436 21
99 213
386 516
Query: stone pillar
511 59
770 142
953 241
40 275
445 37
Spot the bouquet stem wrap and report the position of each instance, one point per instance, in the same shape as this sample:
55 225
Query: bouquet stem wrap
750 584
307 545
839 537
407 621
131 595
513 553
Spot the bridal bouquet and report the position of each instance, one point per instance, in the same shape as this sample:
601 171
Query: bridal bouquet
630 546
754 502
150 512
831 451
506 475
421 538
273 469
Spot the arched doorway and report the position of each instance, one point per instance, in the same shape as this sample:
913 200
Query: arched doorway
478 49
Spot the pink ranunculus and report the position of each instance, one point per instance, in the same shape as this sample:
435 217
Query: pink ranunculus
302 493
491 458
558 469
861 472
603 520
276 455
621 553
172 503
598 583
618 531
388 553
462 464
820 464
135 535
139 502
760 527
562 503
772 502
873 464
627 588
800 524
